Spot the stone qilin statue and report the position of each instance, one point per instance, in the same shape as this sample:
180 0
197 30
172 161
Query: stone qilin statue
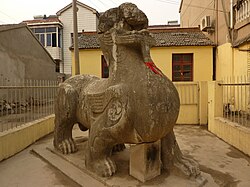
136 104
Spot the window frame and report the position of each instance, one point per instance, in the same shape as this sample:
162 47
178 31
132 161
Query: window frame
50 36
182 62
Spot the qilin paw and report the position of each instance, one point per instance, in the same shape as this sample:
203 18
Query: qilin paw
103 167
67 146
188 167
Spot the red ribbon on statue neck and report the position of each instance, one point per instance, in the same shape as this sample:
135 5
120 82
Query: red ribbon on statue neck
153 67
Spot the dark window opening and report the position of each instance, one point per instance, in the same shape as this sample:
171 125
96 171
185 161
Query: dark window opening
54 40
51 29
59 37
39 30
42 39
48 39
182 67
214 63
57 65
105 68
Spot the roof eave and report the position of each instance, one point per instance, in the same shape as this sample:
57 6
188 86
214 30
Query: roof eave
242 41
195 45
12 26
180 6
45 23
78 3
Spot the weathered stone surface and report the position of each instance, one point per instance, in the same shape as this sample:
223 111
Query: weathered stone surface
136 104
145 161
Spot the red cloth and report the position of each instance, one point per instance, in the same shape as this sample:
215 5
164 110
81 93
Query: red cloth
153 67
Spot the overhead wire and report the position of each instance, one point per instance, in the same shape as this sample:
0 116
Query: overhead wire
196 6
202 12
113 2
169 2
2 22
105 5
94 5
13 19
186 7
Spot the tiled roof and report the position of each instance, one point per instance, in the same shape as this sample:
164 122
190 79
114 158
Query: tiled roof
163 37
88 41
153 27
241 41
181 37
42 21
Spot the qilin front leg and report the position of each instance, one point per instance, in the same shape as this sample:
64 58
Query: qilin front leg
98 156
65 106
105 134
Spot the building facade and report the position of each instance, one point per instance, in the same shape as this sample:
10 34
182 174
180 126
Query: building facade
227 24
22 56
55 32
182 54
87 20
48 31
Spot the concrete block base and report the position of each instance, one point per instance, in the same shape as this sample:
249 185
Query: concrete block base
145 161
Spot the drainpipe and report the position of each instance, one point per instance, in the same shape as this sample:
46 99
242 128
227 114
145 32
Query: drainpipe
228 23
217 19
231 14
231 27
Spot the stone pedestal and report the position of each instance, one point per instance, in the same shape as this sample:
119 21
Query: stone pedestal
145 161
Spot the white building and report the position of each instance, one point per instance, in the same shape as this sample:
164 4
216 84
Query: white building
48 31
57 43
87 20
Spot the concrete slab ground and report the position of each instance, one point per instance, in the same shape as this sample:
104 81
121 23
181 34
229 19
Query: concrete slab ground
27 170
220 163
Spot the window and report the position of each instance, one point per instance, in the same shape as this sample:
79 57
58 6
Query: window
39 30
182 67
54 40
48 39
57 65
105 68
42 39
72 37
59 37
48 36
50 29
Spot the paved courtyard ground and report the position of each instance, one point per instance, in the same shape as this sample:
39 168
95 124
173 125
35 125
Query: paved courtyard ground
220 163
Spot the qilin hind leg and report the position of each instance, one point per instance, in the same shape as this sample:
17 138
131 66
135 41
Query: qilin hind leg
173 159
65 106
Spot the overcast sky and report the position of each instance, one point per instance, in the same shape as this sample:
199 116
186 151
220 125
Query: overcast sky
15 11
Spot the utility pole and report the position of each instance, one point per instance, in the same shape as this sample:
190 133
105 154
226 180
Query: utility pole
75 34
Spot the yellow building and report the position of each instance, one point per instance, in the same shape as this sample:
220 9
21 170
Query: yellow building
227 24
229 33
233 60
183 54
